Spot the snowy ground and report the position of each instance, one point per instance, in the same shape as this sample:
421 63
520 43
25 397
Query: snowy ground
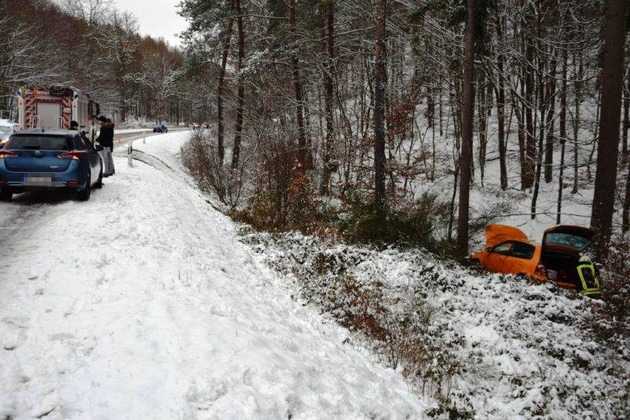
142 304
491 346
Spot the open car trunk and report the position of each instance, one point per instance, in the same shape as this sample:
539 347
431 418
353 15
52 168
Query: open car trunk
561 255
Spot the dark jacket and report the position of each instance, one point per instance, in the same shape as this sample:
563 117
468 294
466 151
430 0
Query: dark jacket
106 135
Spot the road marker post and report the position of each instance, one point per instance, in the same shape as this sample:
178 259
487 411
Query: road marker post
130 155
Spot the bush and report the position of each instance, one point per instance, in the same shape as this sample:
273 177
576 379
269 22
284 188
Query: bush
412 226
301 210
614 316
260 213
201 157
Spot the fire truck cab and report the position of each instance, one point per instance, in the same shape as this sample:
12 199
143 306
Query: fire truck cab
55 108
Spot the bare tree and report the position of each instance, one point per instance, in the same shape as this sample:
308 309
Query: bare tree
238 127
93 12
500 94
380 81
468 110
226 39
328 29
297 86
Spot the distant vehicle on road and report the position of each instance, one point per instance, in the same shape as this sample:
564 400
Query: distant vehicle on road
40 159
160 128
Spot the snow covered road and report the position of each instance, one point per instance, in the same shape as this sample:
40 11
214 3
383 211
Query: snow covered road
142 304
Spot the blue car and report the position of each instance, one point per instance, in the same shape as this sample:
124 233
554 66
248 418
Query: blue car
35 160
160 128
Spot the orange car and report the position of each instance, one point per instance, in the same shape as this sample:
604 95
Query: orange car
559 258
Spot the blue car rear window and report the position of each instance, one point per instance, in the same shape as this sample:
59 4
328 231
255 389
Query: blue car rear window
40 143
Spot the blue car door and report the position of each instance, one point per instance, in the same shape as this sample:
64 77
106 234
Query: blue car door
94 161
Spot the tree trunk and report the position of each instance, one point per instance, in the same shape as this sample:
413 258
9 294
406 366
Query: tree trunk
589 163
610 119
576 122
520 119
500 93
626 206
328 28
380 79
551 101
626 120
468 110
297 85
238 129
227 40
542 105
482 117
563 132
530 88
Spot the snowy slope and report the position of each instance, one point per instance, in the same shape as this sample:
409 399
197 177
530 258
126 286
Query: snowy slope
142 304
515 350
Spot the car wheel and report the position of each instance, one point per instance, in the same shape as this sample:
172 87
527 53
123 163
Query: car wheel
84 194
99 183
5 195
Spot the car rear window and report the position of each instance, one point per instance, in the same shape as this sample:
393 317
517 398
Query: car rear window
566 239
40 143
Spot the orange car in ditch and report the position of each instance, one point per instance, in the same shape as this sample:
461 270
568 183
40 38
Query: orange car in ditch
559 258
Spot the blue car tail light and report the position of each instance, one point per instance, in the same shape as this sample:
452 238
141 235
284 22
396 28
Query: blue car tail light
4 154
74 155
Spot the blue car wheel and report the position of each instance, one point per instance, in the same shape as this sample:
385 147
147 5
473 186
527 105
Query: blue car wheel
85 193
5 195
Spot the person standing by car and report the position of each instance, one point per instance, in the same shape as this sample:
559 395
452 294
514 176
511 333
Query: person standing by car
106 140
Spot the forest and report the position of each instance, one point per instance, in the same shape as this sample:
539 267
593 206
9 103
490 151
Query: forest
407 117
94 47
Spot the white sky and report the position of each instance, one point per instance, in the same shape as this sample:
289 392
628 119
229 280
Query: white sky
157 18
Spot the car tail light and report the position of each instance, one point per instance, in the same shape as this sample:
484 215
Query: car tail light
73 183
74 155
7 154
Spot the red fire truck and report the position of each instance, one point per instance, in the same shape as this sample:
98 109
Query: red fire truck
55 108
